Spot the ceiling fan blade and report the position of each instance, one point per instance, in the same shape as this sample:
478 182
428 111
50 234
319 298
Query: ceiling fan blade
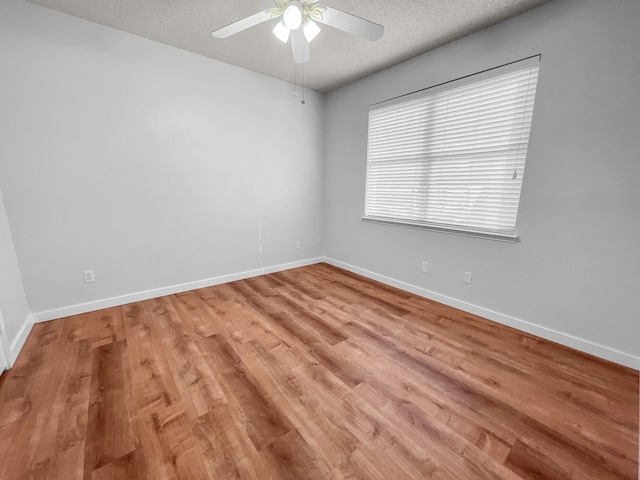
300 47
351 24
242 24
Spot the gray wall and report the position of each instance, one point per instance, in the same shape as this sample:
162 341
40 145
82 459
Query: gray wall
151 166
574 275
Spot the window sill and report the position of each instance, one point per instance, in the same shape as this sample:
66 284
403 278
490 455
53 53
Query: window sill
442 229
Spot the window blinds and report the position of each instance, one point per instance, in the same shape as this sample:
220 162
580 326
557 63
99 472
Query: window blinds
453 156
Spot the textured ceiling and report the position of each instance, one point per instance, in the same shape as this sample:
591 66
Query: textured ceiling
412 27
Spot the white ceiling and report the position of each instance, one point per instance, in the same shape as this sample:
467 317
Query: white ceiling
412 27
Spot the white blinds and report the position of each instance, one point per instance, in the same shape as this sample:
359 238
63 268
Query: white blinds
453 156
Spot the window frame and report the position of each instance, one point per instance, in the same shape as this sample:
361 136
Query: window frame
510 235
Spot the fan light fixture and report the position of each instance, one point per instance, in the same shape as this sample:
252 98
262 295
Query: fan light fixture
310 29
292 16
281 31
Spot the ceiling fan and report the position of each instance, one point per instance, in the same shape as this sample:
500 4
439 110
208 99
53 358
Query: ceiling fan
298 22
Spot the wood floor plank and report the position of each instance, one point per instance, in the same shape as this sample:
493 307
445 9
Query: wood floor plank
72 398
55 442
228 452
168 447
195 313
98 328
123 468
109 430
190 369
152 384
292 457
302 407
263 421
320 328
451 406
314 373
528 398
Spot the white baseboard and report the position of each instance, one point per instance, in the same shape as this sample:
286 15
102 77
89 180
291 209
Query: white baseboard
583 345
170 290
18 342
568 340
5 364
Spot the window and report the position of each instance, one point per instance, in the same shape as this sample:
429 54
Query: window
451 157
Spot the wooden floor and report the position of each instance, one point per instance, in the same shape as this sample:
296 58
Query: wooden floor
312 373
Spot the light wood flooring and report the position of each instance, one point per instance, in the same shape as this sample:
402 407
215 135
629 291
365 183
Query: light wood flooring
311 373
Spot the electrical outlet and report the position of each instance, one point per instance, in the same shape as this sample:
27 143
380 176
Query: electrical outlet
467 277
425 267
298 244
88 276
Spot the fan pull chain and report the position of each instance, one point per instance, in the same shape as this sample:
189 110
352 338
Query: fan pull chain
295 83
303 101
